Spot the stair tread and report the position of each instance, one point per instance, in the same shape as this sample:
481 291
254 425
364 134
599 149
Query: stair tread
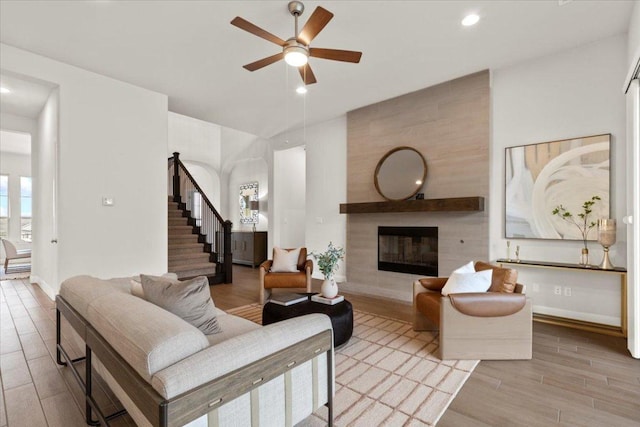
194 266
186 245
188 255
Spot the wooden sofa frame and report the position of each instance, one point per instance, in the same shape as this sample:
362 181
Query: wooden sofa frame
194 403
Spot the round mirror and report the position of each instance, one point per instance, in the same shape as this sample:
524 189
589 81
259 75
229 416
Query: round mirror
400 173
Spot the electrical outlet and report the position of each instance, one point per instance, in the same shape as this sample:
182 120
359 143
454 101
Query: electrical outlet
557 290
567 292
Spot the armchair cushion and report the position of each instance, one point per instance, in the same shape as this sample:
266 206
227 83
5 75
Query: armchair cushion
504 279
488 304
285 280
285 260
468 282
433 283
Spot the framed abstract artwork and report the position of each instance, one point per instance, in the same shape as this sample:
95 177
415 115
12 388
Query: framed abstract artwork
539 177
248 194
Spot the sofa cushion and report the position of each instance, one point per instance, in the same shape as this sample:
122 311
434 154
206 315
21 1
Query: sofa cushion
189 299
80 291
148 337
231 326
504 279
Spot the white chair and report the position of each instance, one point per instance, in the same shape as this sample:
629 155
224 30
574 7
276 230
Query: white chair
12 253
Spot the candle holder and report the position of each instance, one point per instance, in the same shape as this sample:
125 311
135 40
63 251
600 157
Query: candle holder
606 237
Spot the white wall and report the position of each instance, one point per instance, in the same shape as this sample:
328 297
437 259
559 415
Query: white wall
199 144
326 184
195 140
18 123
571 94
288 213
112 142
633 37
633 179
44 262
246 171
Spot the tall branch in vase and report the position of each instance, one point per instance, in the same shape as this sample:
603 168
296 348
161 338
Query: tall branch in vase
581 221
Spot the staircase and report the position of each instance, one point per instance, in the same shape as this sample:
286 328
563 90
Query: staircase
196 247
188 257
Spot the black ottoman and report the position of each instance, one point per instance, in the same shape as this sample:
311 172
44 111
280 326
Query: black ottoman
341 316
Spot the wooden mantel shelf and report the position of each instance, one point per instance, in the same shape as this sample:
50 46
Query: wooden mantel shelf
456 204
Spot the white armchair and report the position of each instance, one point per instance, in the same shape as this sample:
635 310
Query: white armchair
12 253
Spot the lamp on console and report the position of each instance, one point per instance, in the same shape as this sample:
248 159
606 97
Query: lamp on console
254 206
606 237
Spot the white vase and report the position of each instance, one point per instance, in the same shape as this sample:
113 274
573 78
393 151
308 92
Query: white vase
329 288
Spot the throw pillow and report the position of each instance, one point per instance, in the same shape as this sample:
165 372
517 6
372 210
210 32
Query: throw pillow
190 300
136 284
285 261
467 282
504 279
467 268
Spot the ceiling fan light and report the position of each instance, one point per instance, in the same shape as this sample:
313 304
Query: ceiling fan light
296 56
470 20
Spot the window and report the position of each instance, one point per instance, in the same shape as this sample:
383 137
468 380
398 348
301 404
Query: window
4 206
25 208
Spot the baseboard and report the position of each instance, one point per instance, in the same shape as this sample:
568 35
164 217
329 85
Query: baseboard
44 286
577 315
361 289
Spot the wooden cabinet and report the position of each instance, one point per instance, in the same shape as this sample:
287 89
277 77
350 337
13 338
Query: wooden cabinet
249 247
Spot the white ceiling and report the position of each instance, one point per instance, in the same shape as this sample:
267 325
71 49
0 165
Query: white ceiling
189 51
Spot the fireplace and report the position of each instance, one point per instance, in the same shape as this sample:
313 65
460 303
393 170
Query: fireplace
411 250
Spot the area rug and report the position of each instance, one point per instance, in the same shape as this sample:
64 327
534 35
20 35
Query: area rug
387 374
15 271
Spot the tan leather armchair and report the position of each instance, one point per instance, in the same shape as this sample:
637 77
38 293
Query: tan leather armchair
492 325
299 279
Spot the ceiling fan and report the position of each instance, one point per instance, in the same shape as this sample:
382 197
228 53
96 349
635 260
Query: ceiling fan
296 50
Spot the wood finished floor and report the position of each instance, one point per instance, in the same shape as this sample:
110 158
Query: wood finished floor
575 378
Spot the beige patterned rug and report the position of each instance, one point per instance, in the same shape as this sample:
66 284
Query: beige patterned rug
387 374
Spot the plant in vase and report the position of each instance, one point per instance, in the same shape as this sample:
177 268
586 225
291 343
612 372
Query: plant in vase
328 264
582 222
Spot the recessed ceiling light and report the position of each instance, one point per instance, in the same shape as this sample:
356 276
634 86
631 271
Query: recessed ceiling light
4 90
470 20
419 182
301 90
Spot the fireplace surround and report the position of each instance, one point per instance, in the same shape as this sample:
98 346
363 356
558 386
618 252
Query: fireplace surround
412 250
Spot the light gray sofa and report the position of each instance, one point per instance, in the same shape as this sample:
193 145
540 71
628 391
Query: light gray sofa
166 372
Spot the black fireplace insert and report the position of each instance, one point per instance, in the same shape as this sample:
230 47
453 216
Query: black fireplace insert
412 250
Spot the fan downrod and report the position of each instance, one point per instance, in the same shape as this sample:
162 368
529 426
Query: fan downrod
296 8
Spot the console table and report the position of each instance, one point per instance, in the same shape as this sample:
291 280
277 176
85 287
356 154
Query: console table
619 331
249 247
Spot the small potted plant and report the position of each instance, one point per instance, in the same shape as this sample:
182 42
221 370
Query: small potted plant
328 264
582 222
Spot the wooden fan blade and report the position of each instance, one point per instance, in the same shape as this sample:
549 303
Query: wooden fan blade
336 54
307 75
317 21
257 31
264 62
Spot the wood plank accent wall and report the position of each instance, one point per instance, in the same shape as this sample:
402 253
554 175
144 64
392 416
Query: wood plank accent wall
450 125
